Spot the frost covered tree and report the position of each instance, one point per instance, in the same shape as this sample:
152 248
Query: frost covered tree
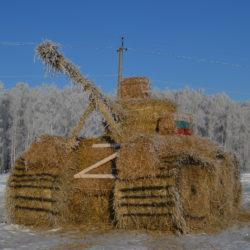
5 118
27 113
1 131
19 97
218 118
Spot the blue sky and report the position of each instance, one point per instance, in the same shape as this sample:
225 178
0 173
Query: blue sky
200 44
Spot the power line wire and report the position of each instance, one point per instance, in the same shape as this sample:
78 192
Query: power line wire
65 45
7 43
148 52
191 58
156 52
57 76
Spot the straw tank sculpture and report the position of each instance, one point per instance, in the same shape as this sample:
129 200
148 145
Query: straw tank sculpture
149 171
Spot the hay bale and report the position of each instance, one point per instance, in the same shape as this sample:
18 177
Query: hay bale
31 195
46 152
152 155
42 190
34 183
172 183
89 201
141 115
166 125
203 180
134 87
149 203
211 197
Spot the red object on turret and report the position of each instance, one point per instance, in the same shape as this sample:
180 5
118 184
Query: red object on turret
184 131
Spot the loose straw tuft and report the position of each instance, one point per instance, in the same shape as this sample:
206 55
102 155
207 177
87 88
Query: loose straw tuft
48 52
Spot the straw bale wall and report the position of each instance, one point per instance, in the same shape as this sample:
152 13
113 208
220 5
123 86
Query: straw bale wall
34 184
164 181
202 181
134 87
42 191
89 201
149 203
141 115
166 124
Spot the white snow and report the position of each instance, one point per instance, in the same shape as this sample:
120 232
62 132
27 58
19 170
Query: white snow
245 180
3 180
18 237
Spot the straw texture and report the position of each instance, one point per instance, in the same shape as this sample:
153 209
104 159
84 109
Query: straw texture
42 191
176 183
135 87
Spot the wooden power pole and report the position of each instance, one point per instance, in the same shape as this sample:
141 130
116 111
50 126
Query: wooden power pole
120 64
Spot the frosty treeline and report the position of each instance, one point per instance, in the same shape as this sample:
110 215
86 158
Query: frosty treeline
26 113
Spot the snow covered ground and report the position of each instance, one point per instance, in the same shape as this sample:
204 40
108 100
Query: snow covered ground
16 237
3 179
245 180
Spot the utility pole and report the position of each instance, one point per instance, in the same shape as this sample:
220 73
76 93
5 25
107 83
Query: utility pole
120 64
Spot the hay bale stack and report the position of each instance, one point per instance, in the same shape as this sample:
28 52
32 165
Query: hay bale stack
42 190
141 115
175 183
149 203
89 201
134 87
34 184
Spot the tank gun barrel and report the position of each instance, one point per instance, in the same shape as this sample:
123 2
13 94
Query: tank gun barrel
52 57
